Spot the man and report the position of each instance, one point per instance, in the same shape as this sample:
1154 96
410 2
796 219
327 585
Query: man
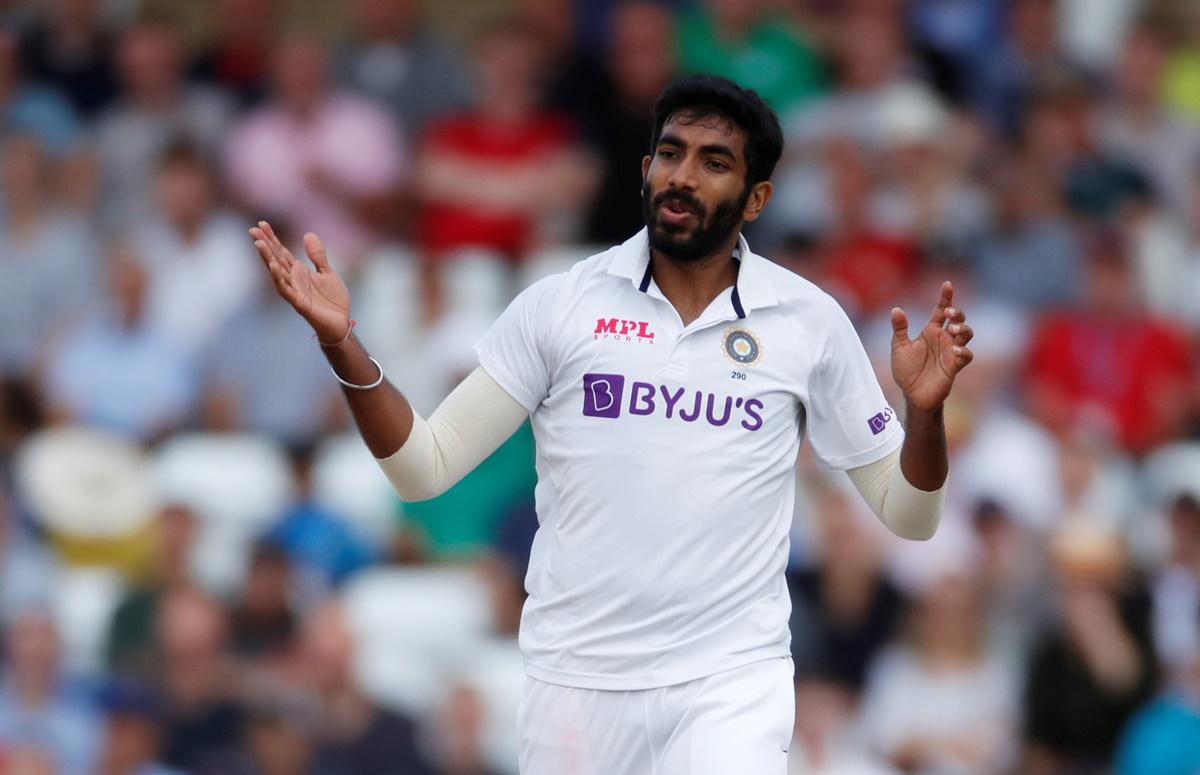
668 379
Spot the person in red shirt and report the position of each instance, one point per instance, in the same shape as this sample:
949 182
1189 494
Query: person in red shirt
503 174
1109 363
866 266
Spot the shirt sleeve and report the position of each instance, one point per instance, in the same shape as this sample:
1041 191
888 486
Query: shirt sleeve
849 422
514 350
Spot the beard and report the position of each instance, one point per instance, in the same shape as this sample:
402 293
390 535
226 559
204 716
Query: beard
683 243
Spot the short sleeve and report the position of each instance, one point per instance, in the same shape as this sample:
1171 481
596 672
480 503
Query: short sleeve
849 422
514 351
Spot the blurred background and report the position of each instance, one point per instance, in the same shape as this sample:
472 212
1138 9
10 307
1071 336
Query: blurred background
201 568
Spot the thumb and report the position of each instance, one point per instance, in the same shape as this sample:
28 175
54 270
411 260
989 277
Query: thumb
899 326
316 252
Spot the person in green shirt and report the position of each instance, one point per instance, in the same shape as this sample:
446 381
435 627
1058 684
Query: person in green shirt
738 40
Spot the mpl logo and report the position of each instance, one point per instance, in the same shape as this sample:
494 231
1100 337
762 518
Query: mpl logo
623 330
879 421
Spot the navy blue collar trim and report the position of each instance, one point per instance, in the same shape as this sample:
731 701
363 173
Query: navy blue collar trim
735 297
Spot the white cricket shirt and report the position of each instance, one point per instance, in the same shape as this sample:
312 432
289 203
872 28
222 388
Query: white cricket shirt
665 459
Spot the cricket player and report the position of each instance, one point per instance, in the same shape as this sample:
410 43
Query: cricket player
670 380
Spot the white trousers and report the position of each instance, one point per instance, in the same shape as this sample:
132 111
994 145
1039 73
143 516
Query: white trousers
732 723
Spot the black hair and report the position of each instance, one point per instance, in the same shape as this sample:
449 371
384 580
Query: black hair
702 96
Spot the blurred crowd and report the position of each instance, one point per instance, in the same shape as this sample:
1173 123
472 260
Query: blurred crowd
201 570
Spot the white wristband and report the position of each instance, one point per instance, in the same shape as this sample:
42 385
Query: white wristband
352 386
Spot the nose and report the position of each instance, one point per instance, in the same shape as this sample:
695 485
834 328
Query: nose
683 175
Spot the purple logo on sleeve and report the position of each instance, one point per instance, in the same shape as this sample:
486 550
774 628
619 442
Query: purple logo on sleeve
602 395
879 421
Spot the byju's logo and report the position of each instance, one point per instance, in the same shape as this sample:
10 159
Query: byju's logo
602 395
879 421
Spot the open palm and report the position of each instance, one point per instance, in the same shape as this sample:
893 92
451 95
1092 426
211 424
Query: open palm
924 368
318 294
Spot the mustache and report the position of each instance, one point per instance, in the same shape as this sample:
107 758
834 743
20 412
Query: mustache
680 199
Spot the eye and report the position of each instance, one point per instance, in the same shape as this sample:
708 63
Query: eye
717 166
668 153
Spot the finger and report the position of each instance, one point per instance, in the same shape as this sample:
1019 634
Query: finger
899 325
939 312
316 252
961 332
282 254
962 356
264 252
955 314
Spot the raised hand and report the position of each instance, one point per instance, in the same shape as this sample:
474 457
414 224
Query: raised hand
318 294
924 368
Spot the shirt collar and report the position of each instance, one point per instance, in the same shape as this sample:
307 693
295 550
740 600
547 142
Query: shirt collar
753 290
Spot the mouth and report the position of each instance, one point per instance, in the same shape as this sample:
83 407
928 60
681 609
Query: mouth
675 212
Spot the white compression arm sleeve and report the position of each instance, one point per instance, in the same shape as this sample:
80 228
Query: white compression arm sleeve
476 418
907 511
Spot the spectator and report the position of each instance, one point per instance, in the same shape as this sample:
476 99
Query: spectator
278 739
156 108
1159 252
950 36
71 51
1177 592
1109 365
236 59
575 81
824 739
942 702
202 719
31 109
316 155
1030 257
134 731
38 709
1090 672
116 370
869 62
1061 138
1181 75
47 258
396 61
201 271
263 624
1135 125
742 41
1011 72
460 731
525 171
866 267
926 194
639 62
130 647
262 347
844 608
354 734
1164 737
321 549
27 569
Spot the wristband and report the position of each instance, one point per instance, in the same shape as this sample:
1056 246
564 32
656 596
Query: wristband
352 386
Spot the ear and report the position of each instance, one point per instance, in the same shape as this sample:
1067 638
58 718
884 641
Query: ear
760 194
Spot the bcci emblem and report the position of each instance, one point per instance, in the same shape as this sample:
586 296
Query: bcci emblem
742 347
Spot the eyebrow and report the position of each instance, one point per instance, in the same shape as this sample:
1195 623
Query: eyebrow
712 148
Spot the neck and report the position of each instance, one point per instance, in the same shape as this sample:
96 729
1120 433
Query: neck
691 286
